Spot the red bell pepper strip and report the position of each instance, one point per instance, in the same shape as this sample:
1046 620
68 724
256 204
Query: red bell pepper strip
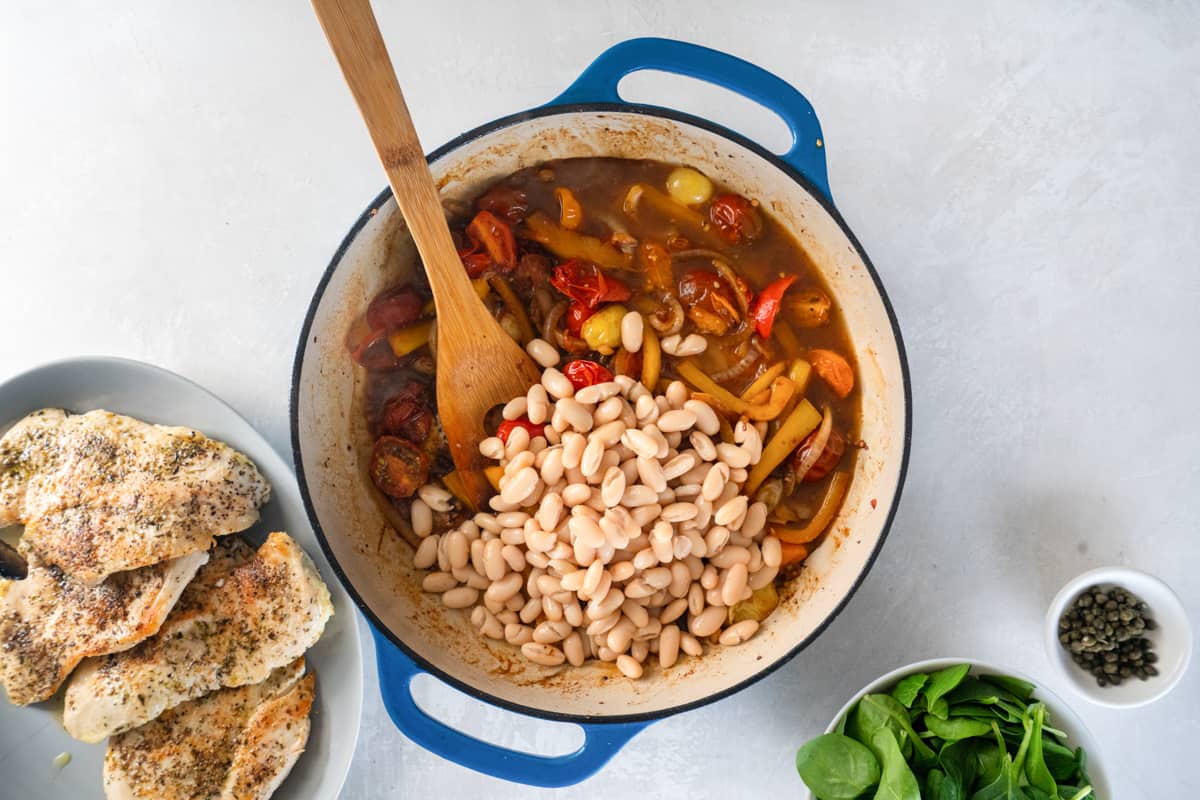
766 305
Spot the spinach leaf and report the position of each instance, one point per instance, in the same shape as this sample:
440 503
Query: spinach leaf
908 688
941 683
956 728
876 711
835 767
973 690
939 708
1083 793
935 781
1062 761
1023 690
897 781
957 761
1006 786
1036 771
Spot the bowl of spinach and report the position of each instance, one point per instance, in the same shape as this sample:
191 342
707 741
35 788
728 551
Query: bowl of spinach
953 729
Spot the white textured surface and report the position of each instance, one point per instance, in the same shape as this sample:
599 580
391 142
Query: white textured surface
174 178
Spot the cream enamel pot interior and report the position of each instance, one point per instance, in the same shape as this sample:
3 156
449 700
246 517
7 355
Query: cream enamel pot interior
330 441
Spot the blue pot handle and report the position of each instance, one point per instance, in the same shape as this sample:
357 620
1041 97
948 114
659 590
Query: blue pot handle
601 742
598 84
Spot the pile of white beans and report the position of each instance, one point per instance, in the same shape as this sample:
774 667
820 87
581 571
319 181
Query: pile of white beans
620 533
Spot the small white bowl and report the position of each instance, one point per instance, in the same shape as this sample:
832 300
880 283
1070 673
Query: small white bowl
1064 718
1172 639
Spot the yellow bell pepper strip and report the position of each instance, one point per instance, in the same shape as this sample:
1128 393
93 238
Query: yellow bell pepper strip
792 554
760 605
825 514
514 306
406 340
800 423
651 357
655 262
767 304
764 381
570 244
800 371
787 339
494 474
662 202
481 288
570 213
782 391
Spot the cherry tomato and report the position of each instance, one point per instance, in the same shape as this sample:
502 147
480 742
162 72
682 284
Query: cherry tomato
495 237
407 414
577 314
506 202
735 218
766 307
708 300
476 263
398 467
582 372
398 307
509 425
586 283
375 353
829 458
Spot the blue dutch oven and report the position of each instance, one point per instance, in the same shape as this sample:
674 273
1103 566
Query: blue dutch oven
413 632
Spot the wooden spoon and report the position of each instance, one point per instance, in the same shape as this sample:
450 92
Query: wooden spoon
478 364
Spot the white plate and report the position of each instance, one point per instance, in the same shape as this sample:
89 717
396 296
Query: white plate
31 737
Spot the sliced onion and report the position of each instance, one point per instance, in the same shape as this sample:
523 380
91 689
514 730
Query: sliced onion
698 252
674 323
820 439
550 324
741 367
735 286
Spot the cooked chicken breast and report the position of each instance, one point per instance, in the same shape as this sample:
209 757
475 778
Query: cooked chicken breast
233 744
101 493
243 616
28 449
50 622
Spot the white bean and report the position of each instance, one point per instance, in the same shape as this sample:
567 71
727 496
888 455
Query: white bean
733 455
632 331
573 650
609 434
707 622
541 351
537 404
576 493
520 486
677 394
640 442
734 584
714 482
598 392
731 510
492 447
690 644
506 587
679 419
458 549
703 445
426 555
693 345
636 496
545 654
755 521
670 344
577 415
438 582
668 646
421 518
461 597
645 409
629 666
518 440
515 408
738 632
517 634
706 419
612 488
679 512
557 384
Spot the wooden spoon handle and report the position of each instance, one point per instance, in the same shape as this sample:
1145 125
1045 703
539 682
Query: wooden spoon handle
354 36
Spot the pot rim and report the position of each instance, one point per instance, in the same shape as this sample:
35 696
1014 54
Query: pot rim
319 294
